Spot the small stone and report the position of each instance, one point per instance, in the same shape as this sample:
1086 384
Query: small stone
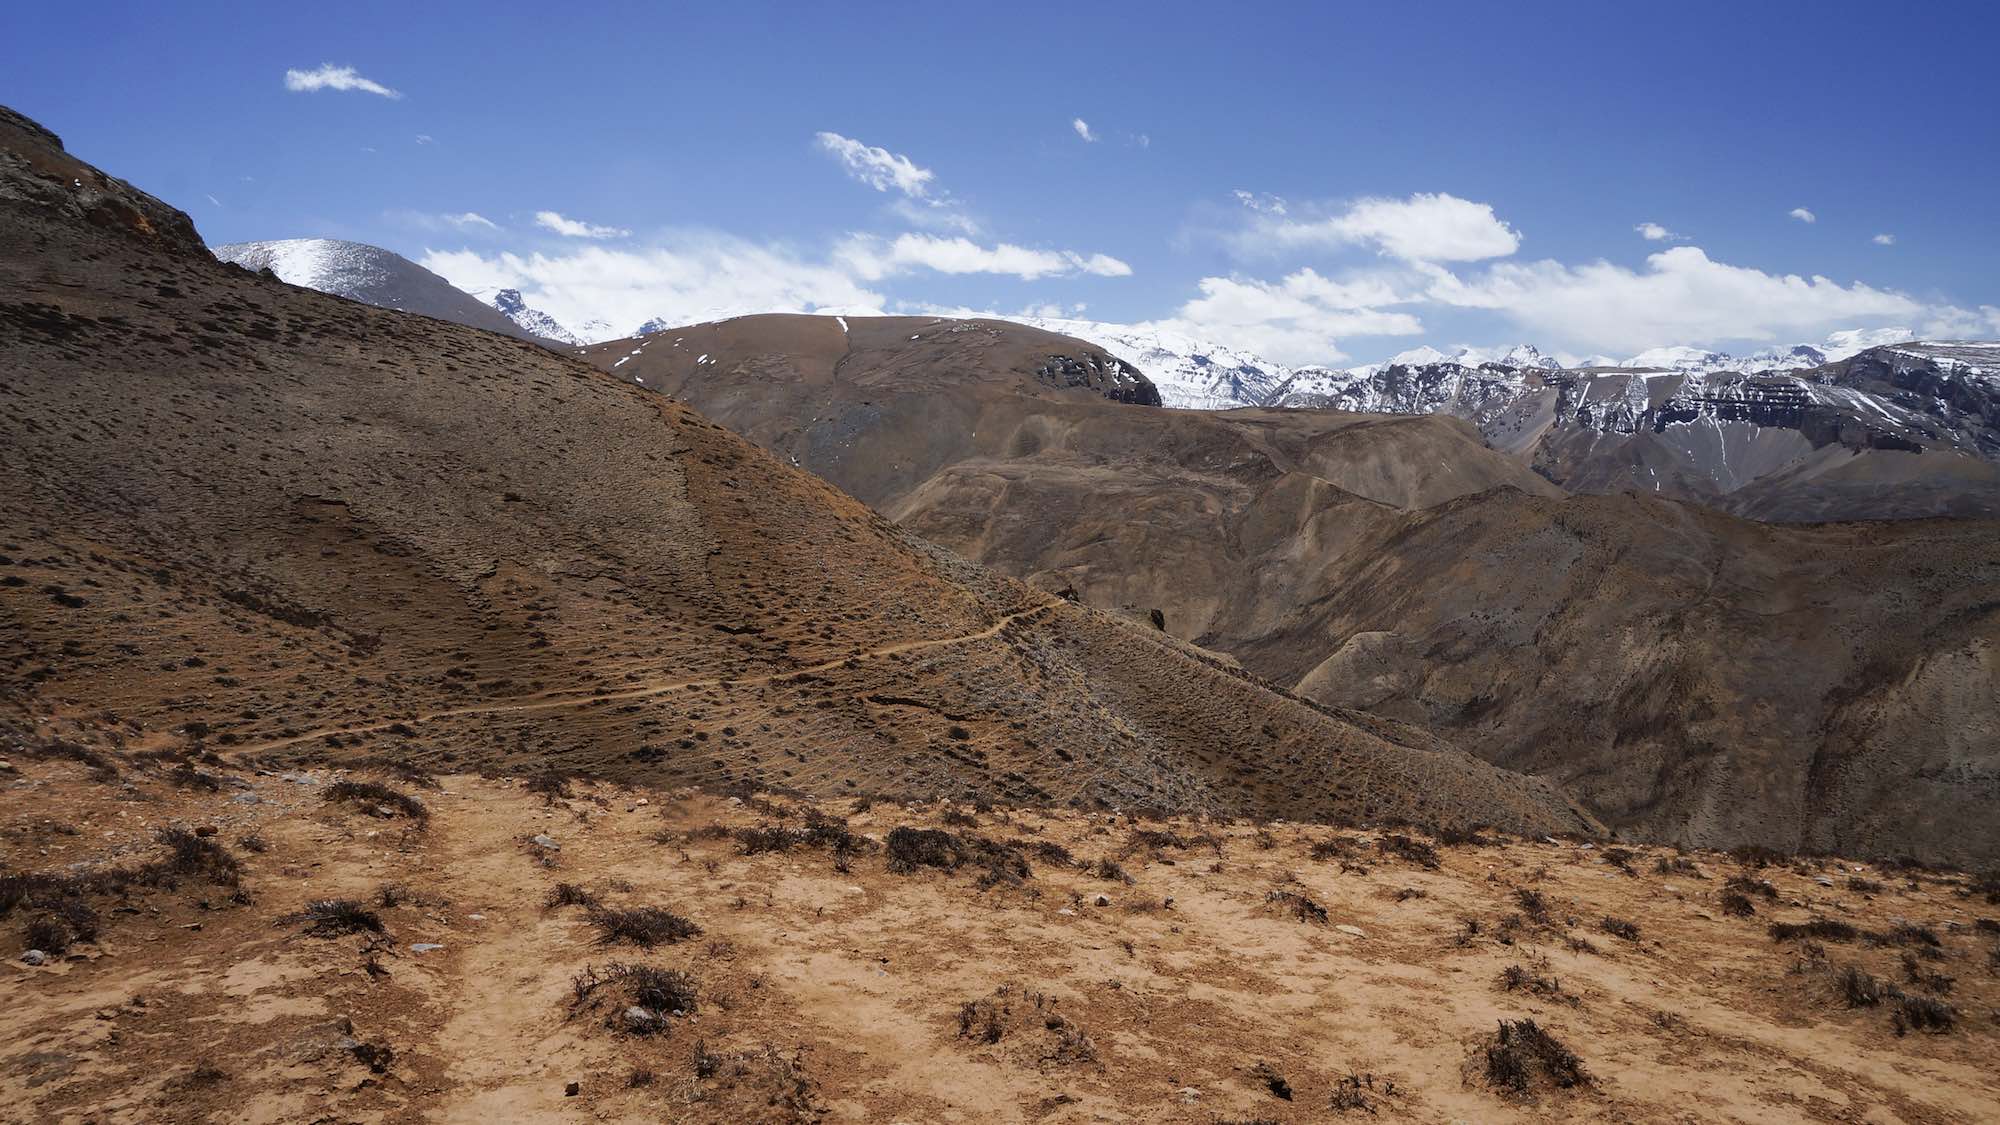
643 1019
34 957
425 947
572 1090
640 801
1824 881
544 840
1102 901
206 830
246 798
1351 931
1067 912
1190 1095
476 917
6 766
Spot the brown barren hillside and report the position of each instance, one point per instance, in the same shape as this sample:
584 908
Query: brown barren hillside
1692 676
247 517
568 951
954 429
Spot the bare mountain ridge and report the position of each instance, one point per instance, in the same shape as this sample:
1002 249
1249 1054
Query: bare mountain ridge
1399 564
252 518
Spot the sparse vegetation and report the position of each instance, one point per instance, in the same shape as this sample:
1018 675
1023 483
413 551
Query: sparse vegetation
1737 905
377 800
570 894
1818 929
1523 1055
550 784
1358 1091
648 996
1298 905
1533 905
333 917
644 926
1520 978
1416 851
1620 928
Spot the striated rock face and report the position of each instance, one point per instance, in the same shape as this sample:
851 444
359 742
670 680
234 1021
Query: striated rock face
1112 378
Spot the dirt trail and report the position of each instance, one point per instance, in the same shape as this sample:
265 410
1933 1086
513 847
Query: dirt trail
501 1040
550 701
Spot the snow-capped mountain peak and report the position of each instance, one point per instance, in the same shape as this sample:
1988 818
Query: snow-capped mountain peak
370 274
511 305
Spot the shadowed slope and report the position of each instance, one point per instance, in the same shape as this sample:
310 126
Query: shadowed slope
290 524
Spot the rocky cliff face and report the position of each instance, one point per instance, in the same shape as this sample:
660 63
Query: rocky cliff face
1898 431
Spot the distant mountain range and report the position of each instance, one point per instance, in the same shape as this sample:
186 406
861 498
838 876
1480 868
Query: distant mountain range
1806 432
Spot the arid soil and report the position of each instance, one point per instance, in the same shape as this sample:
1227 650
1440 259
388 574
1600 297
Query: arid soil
1077 967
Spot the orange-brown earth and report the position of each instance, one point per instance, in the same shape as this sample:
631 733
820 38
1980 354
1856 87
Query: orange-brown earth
828 986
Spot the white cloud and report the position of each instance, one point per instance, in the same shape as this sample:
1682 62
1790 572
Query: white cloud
1299 319
934 214
1803 215
1426 227
470 220
871 258
878 167
695 276
1682 296
331 77
1654 232
1884 240
576 228
1954 323
1082 128
1143 141
423 138
215 201
1256 201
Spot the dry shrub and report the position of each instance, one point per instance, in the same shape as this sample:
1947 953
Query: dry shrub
1523 1055
375 796
644 926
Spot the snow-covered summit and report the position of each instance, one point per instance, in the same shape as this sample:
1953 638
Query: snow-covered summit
369 274
1190 373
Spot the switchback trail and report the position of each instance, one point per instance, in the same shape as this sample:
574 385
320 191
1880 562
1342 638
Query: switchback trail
550 701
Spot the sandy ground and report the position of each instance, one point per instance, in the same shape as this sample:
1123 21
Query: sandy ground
822 993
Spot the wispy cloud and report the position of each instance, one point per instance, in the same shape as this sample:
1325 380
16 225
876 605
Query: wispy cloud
1681 296
423 138
872 259
1803 215
1654 232
576 228
877 167
1082 128
470 220
331 77
691 276
1884 240
1425 227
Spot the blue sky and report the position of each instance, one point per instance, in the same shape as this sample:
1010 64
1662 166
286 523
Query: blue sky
1319 182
